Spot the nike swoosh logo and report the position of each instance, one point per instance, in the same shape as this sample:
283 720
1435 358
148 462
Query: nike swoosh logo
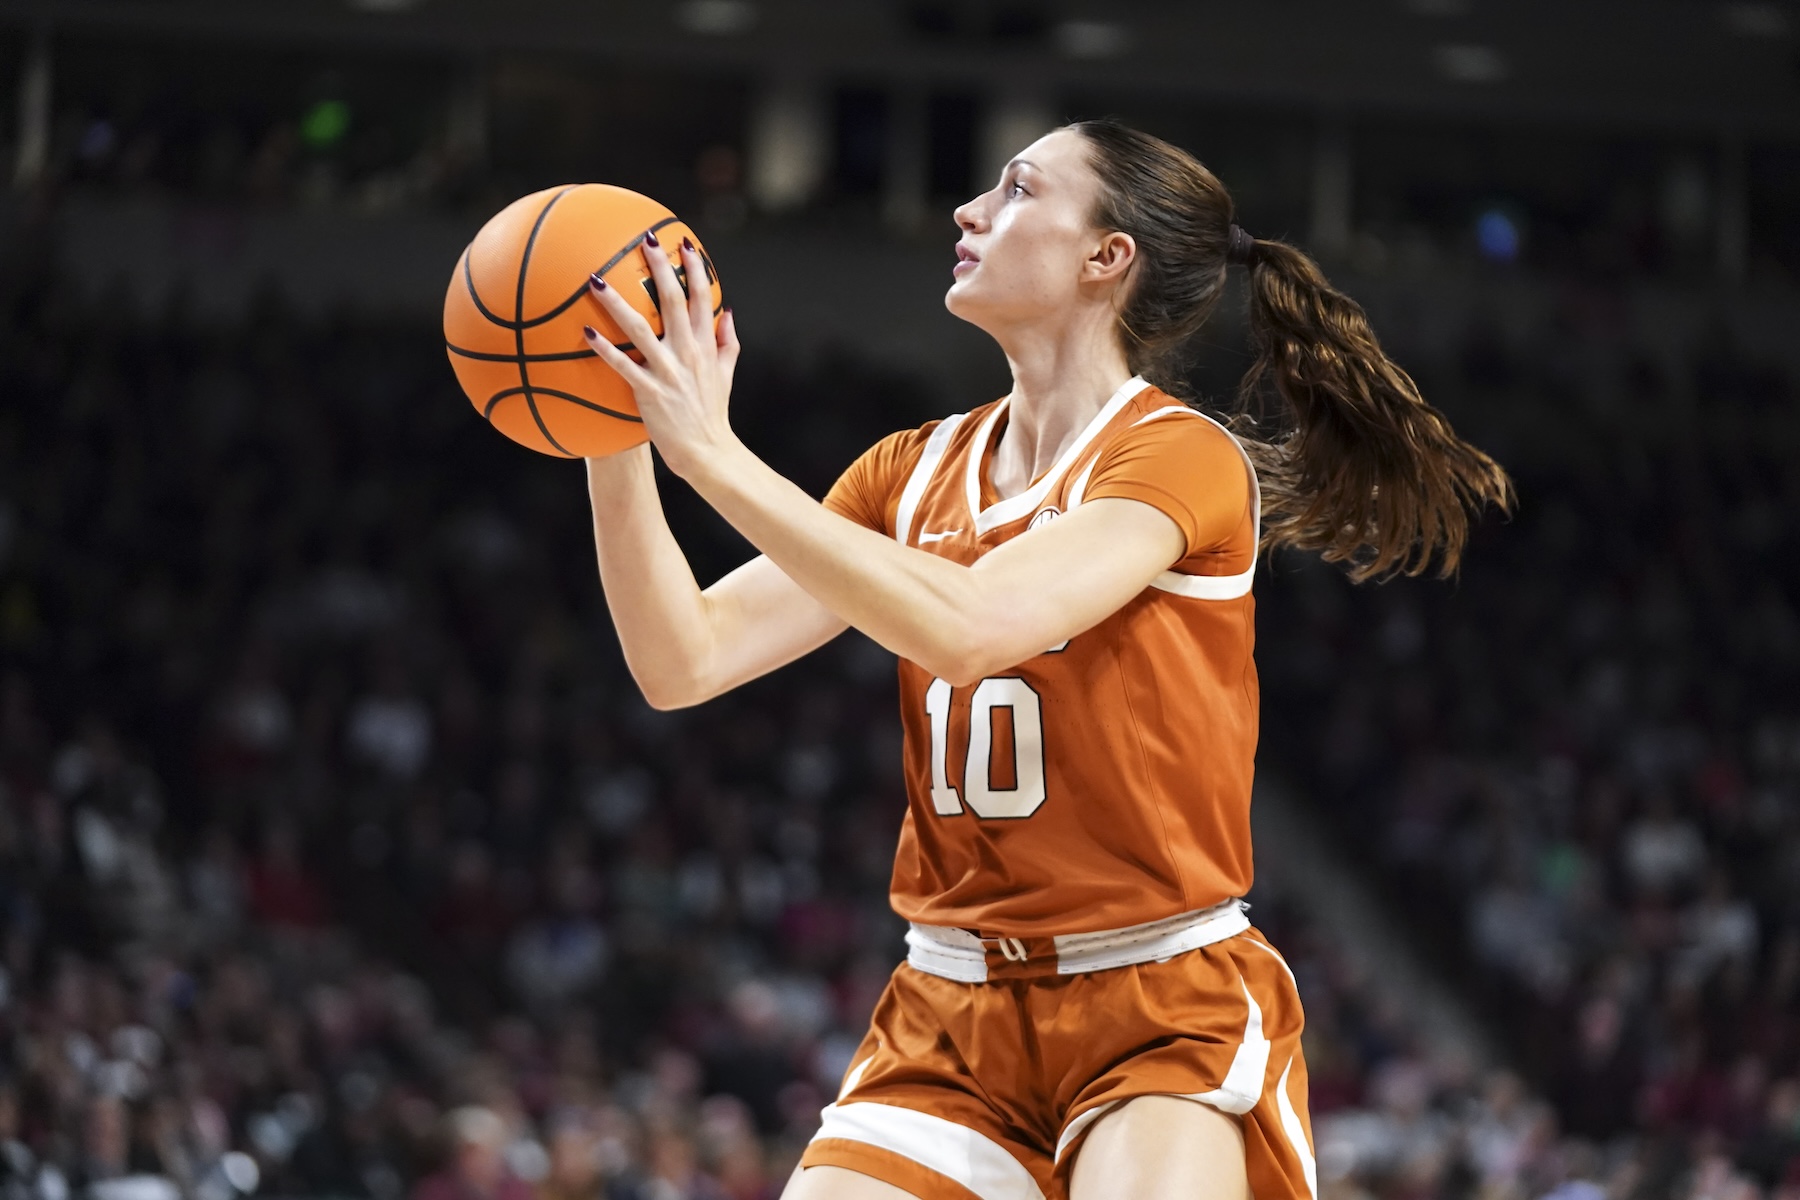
937 537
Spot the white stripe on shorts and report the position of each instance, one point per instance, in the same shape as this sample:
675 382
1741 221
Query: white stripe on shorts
1277 957
1073 1129
1296 1133
854 1077
1238 1094
1244 1081
954 1151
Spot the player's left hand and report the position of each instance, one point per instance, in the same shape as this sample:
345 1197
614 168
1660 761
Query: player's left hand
683 386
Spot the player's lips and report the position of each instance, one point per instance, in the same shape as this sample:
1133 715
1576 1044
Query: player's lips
966 260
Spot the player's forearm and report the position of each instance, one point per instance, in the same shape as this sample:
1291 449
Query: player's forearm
663 619
921 607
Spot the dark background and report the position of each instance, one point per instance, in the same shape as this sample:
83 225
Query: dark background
328 813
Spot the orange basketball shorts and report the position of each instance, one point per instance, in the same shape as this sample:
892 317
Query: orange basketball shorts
983 1091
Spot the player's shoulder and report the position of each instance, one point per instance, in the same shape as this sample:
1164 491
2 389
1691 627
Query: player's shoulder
1155 417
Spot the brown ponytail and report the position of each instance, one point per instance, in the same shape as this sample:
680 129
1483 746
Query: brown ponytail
1371 474
1368 474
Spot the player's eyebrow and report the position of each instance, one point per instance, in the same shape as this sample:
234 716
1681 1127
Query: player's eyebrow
1021 162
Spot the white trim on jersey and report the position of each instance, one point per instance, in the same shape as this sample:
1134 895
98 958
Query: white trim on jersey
1025 503
1215 587
1204 587
1079 488
1194 587
935 446
954 1151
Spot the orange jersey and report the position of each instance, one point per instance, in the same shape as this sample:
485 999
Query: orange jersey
1105 782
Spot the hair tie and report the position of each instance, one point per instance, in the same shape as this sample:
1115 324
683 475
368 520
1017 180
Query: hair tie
1240 247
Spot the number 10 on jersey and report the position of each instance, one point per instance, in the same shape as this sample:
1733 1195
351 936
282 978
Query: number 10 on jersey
1027 792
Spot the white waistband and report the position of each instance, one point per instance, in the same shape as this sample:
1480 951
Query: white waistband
960 955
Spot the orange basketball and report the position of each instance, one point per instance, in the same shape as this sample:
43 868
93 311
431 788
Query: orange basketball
519 297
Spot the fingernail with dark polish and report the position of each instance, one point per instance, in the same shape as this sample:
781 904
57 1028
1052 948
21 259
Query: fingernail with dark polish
599 283
592 333
687 243
650 238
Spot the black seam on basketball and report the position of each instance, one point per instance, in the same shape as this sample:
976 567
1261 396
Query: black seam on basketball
565 305
588 404
633 244
501 321
556 312
531 403
498 396
469 282
581 291
525 256
560 356
519 313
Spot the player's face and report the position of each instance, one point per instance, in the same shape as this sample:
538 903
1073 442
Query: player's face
1027 242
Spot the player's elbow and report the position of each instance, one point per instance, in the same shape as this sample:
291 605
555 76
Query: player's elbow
663 700
667 693
971 637
967 653
947 657
956 672
967 669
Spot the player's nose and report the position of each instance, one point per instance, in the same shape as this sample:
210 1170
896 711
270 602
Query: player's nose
969 216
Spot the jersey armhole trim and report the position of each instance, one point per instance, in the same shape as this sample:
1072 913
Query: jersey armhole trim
935 448
1194 587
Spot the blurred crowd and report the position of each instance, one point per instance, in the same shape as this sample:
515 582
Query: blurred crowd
1574 769
339 856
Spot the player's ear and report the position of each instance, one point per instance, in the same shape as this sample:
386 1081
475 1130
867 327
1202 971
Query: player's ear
1111 258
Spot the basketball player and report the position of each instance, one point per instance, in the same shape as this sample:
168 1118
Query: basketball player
1065 575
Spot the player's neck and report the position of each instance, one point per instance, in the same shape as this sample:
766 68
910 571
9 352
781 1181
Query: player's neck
1059 385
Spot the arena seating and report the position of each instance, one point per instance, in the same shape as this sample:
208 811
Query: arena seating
338 855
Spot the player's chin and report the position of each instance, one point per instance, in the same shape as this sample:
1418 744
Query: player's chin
988 313
962 302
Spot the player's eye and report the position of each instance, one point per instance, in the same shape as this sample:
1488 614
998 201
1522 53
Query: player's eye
1015 188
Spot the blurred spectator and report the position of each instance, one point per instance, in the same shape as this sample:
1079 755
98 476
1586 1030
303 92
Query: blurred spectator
575 1170
281 890
674 1171
557 959
390 728
477 1167
1662 851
